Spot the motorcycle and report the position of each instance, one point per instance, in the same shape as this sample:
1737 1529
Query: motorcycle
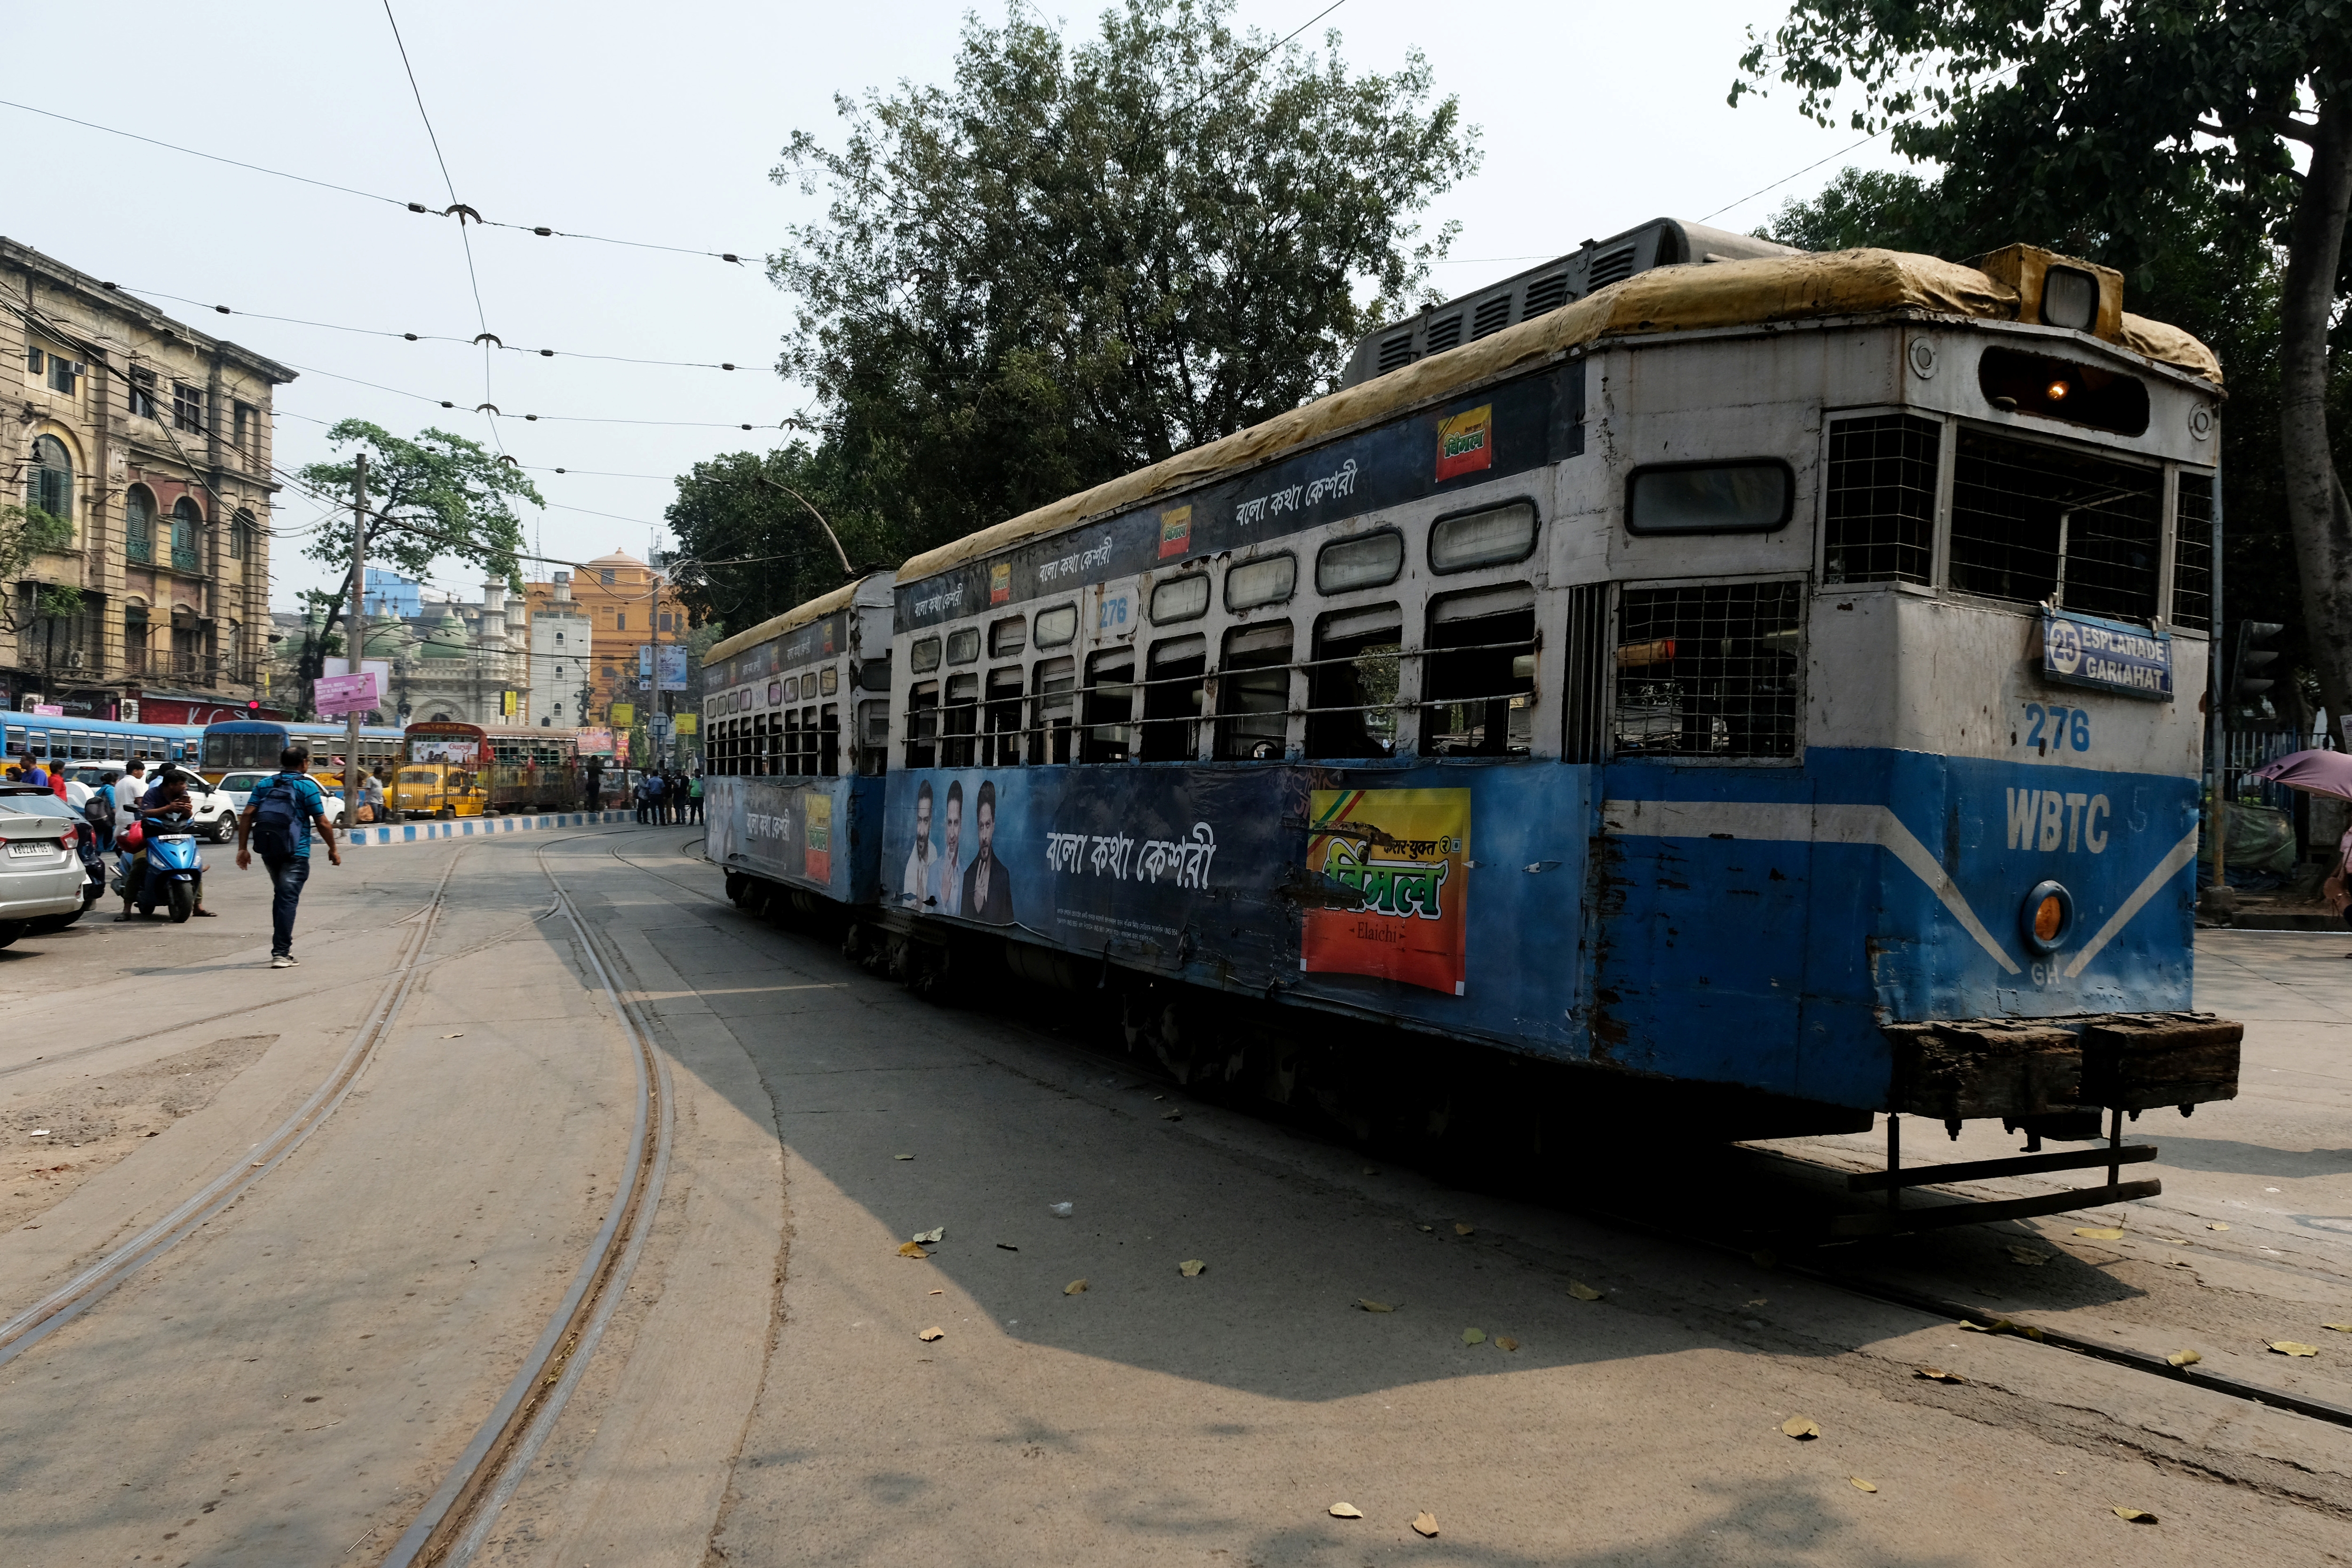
172 865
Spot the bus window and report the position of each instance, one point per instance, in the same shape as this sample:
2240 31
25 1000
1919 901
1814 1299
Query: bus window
873 737
923 724
2192 553
1351 683
2032 522
1173 694
1479 678
828 749
1056 689
1254 693
1109 705
1002 745
1709 670
961 721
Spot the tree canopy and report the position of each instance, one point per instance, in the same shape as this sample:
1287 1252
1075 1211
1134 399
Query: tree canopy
749 534
1078 259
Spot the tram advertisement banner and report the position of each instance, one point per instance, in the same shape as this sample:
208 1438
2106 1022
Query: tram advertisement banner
775 829
1391 862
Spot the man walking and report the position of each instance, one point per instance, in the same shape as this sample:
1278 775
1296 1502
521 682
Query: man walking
276 820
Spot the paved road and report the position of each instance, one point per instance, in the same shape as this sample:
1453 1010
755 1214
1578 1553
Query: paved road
764 1396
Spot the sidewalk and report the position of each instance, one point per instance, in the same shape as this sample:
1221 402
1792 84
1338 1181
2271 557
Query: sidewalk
468 826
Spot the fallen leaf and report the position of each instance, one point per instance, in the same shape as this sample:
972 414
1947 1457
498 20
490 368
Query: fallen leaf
1858 1484
1425 1522
1801 1429
2031 1256
2293 1347
2135 1515
902 1156
1191 1268
1075 1288
2102 1233
928 1336
1346 1511
1371 1306
908 1250
2217 1225
938 1293
1582 1291
1760 1301
1473 1336
458 1036
936 1234
1461 1229
1938 1374
1505 1343
2183 1358
2339 1328
1172 1114
1006 1247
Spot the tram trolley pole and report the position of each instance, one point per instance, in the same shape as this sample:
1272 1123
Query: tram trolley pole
358 623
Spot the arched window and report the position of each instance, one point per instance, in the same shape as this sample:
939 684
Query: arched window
186 518
135 637
49 484
241 533
138 524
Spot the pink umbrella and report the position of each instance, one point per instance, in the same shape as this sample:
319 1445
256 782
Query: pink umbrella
2319 773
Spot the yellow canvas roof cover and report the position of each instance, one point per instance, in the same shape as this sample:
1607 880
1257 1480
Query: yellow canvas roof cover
798 616
1664 299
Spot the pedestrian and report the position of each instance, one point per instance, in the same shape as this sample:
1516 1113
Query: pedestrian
653 794
596 783
170 797
2337 887
58 777
129 791
370 798
278 818
35 774
694 797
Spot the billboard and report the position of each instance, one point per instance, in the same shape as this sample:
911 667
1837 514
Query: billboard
596 743
337 695
623 715
1390 864
462 750
669 665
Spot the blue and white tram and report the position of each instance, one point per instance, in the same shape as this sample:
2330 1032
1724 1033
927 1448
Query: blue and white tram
1779 675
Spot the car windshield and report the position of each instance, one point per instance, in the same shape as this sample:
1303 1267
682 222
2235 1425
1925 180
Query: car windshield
241 782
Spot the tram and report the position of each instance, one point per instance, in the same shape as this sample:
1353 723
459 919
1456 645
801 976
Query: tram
451 769
54 738
1767 684
245 744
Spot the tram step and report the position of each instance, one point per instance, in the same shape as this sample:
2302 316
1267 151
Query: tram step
1943 1217
2015 1165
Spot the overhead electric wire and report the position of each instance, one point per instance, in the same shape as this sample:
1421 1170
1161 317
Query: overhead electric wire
500 413
543 231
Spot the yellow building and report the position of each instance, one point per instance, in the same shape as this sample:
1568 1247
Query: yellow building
627 606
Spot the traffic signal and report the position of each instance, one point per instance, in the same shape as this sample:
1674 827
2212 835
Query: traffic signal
253 705
2244 686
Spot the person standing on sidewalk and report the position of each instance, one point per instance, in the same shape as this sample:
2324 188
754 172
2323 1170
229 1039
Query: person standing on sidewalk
276 820
694 797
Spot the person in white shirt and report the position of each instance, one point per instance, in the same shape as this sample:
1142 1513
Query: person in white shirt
128 792
949 890
916 889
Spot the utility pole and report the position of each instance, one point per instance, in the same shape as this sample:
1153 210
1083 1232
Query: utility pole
2217 746
358 636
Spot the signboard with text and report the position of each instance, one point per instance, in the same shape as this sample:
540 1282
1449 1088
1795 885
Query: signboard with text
2105 656
335 696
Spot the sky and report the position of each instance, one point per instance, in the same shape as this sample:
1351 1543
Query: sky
660 125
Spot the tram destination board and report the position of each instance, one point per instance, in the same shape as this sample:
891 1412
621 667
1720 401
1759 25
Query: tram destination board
2106 656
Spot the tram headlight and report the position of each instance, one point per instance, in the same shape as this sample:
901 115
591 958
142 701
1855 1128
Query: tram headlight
2047 915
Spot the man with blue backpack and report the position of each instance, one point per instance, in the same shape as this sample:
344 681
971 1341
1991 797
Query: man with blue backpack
277 822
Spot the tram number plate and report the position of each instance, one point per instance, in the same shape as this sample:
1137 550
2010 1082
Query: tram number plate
37 847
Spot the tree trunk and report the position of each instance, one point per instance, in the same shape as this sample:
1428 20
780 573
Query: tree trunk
2316 508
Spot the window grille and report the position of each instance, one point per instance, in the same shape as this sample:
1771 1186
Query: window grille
1254 693
2192 553
1056 703
1109 705
1172 697
1709 670
1584 680
922 724
961 722
1001 745
2032 522
1479 676
873 738
1881 524
1351 683
828 748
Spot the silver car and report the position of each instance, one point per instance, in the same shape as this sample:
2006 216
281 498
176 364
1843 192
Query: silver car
40 874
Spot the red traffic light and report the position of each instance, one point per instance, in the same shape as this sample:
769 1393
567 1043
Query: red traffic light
252 705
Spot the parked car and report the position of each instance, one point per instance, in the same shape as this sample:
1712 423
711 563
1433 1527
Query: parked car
41 878
236 788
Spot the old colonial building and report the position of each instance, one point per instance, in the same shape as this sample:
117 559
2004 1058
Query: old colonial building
627 605
151 441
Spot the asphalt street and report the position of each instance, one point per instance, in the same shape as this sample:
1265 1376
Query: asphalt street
1538 1382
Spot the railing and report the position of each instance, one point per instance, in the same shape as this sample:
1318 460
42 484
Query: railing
139 548
185 559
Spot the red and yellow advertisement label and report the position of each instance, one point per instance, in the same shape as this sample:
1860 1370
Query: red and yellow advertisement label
999 581
1466 441
816 835
1391 865
1175 531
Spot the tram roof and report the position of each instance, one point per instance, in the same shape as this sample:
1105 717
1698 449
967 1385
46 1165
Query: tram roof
798 616
1807 287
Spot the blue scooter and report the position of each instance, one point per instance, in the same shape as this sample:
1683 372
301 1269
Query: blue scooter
174 865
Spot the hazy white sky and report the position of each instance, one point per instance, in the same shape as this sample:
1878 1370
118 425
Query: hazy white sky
661 124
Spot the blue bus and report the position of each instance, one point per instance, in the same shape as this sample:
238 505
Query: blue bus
240 744
52 737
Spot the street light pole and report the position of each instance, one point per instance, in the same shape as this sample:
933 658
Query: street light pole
358 636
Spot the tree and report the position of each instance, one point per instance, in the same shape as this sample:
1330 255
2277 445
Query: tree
25 533
2107 120
439 495
748 533
1078 259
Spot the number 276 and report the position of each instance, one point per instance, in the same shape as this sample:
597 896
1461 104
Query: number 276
2063 725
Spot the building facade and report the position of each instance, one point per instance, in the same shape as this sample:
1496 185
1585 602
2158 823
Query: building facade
628 605
563 653
151 441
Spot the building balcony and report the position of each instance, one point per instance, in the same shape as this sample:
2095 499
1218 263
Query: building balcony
185 561
139 552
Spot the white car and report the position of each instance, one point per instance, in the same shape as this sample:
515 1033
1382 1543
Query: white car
236 788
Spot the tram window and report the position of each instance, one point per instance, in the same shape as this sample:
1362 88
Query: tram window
963 645
1351 682
1254 693
1710 497
1173 695
828 681
1371 561
873 737
1881 522
874 674
809 741
1269 580
922 724
1184 598
1709 670
1488 537
1056 697
924 656
1109 705
1007 637
961 721
1479 675
2032 522
828 732
1057 626
772 761
2192 553
1001 746
796 745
